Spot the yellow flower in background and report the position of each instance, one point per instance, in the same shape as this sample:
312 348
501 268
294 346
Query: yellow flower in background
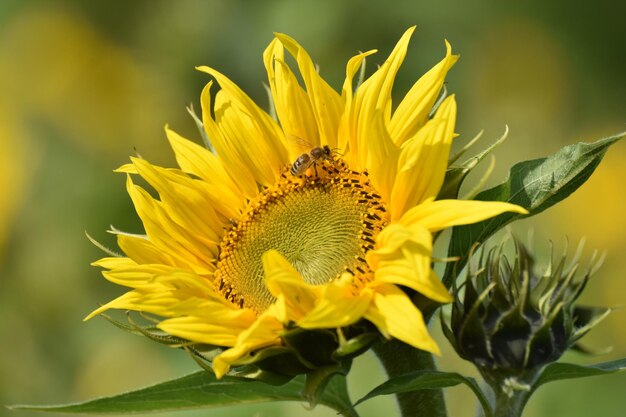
92 92
14 177
260 234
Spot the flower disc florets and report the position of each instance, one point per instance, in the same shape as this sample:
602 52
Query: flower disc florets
323 223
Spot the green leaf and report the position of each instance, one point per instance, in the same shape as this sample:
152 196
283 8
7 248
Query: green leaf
317 381
559 371
426 380
202 390
535 185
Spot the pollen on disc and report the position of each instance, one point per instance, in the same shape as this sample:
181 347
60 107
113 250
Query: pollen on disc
323 225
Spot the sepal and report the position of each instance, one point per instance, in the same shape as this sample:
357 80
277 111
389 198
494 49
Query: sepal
512 320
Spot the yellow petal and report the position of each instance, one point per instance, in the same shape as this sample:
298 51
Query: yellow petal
245 137
158 302
347 132
394 236
136 276
187 284
403 256
188 200
141 250
197 160
114 262
264 332
168 236
265 139
326 104
423 161
169 292
428 284
371 112
291 102
188 204
395 315
127 169
412 180
442 214
382 156
375 93
294 297
338 307
227 153
412 112
221 329
125 302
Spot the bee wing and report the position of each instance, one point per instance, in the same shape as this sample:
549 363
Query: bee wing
298 145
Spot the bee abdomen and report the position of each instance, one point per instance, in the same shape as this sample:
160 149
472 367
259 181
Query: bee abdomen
300 164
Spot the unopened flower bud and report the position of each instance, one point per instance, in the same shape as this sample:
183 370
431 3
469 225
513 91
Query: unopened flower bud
512 321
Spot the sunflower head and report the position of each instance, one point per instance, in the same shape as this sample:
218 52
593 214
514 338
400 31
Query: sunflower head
512 319
287 242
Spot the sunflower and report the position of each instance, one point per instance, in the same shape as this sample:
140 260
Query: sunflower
256 234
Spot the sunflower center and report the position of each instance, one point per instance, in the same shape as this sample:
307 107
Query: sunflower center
322 222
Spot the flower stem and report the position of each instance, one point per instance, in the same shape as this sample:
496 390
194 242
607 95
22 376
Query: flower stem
510 406
399 358
511 393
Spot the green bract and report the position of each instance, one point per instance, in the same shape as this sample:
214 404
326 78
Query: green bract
512 320
320 354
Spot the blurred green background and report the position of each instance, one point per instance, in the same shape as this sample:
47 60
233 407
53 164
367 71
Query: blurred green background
84 84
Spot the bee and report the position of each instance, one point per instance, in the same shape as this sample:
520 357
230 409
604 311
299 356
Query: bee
304 161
